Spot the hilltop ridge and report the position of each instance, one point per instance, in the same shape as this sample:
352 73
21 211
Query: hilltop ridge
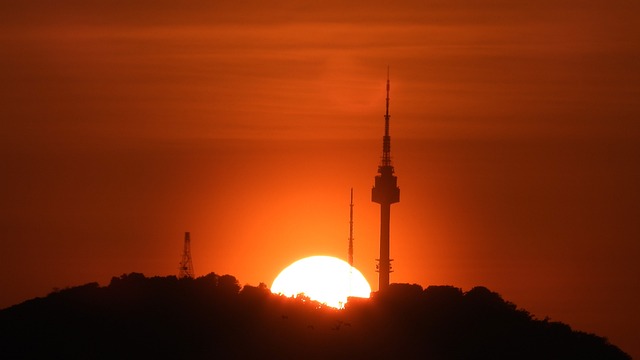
213 316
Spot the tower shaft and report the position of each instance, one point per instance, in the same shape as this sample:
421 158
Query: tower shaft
384 262
385 192
186 265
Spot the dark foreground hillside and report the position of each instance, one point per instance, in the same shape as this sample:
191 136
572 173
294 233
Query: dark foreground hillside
213 317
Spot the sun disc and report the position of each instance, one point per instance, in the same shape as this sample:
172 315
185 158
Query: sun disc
326 279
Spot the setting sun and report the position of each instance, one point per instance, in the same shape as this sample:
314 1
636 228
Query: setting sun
326 279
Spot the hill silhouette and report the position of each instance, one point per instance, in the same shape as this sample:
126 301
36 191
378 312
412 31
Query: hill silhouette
214 317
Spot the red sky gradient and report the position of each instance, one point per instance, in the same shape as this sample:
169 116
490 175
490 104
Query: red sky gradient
515 136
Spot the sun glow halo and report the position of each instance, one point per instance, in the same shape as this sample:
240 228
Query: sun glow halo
326 279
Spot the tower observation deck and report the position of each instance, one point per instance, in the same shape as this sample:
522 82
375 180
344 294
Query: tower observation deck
385 192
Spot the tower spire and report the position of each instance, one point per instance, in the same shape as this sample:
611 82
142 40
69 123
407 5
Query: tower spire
385 192
386 140
186 265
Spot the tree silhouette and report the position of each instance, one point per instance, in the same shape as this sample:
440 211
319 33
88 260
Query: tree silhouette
214 317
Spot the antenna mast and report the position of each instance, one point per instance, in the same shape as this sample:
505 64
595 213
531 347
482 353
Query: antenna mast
186 265
386 140
350 258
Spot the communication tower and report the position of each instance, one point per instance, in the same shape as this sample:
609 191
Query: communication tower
186 265
385 192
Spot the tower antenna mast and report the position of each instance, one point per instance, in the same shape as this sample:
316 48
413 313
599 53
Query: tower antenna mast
385 192
386 140
186 265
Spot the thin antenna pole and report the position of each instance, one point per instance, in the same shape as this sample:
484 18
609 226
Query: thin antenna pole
350 254
350 258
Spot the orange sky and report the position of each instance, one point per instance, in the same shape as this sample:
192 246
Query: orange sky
515 136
